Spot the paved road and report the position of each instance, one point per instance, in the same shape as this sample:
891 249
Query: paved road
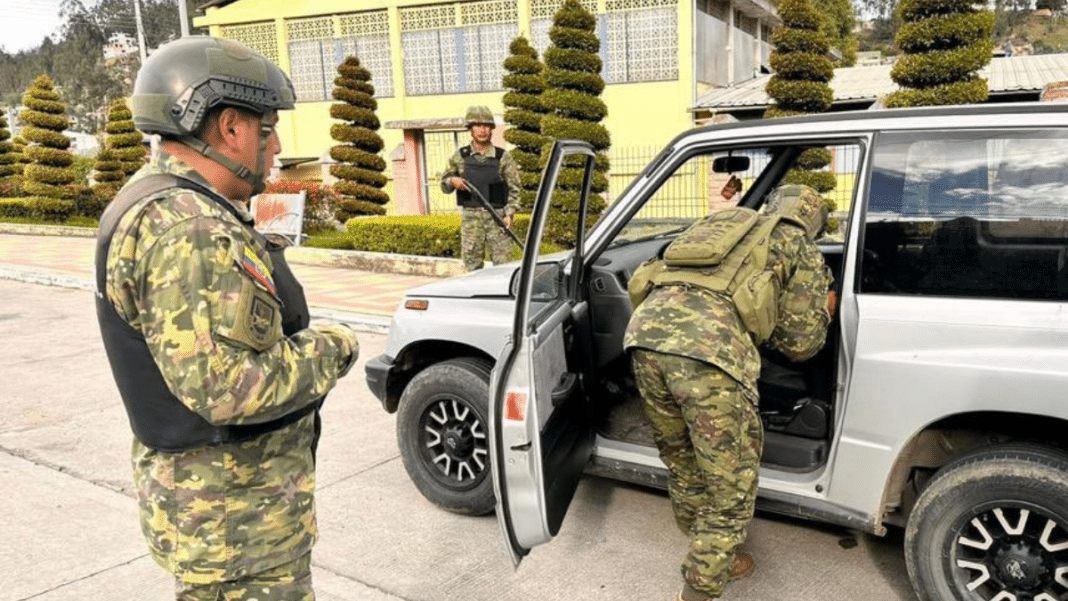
68 522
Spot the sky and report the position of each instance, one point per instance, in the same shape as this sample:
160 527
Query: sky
26 22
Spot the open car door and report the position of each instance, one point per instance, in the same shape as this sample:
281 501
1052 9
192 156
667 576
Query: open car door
539 426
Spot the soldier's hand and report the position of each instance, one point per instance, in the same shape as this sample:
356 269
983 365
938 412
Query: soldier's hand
508 220
832 302
458 183
345 337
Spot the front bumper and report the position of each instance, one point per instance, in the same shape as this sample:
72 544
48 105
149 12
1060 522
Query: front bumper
377 371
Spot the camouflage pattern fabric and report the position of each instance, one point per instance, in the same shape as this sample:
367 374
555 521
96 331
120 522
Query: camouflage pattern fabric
697 368
287 582
690 321
478 230
710 437
477 226
190 276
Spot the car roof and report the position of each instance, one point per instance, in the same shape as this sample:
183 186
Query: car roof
973 115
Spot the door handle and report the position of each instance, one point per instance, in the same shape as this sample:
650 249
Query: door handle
564 388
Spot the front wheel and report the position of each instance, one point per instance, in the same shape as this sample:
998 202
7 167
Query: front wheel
992 526
442 434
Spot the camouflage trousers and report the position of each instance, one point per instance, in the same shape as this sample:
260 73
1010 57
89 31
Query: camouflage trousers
710 437
478 229
288 582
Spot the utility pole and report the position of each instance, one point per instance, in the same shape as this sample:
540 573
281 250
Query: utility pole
183 16
140 30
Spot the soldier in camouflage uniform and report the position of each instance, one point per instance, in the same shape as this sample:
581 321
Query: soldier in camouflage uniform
696 364
495 173
208 337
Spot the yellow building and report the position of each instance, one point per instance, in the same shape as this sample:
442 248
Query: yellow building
431 59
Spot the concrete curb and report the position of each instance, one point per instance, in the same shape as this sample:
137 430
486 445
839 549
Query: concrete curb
347 259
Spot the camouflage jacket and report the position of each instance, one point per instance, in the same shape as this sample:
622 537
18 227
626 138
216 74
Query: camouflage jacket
174 271
691 321
509 172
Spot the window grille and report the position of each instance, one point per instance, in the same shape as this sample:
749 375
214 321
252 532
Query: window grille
260 37
640 41
639 38
315 52
455 48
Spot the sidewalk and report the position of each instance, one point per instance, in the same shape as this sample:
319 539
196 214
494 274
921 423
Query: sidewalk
363 298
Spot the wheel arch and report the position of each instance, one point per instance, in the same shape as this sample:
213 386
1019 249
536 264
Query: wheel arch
953 437
418 356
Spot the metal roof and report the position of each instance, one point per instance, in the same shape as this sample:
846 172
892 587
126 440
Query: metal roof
1003 75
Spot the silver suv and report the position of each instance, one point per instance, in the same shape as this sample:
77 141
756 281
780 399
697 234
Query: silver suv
937 405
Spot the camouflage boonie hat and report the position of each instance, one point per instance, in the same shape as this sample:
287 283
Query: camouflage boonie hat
802 205
479 115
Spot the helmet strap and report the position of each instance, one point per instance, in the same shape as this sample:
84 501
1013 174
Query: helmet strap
252 178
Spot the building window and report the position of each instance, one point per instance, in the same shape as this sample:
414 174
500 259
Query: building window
261 37
318 45
639 38
455 48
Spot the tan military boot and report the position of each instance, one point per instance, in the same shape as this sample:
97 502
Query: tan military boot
741 567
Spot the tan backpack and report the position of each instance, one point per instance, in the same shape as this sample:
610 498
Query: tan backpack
725 252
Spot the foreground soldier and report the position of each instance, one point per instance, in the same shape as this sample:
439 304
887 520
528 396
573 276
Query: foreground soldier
495 173
207 333
732 281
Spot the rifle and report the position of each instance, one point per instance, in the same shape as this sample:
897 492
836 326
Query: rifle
486 205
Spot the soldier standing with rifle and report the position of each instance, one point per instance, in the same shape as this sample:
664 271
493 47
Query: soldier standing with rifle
732 281
208 335
495 174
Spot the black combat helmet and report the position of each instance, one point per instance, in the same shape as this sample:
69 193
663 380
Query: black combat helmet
184 79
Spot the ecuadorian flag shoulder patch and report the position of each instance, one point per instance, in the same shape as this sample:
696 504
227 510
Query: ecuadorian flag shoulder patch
258 270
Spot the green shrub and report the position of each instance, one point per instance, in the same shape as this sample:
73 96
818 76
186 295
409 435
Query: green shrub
524 110
428 235
944 43
13 207
359 169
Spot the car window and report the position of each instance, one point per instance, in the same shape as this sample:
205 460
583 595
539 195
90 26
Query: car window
696 188
980 214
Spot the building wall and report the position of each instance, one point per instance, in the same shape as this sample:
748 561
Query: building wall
408 46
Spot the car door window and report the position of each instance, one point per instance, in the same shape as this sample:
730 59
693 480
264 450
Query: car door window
696 187
980 214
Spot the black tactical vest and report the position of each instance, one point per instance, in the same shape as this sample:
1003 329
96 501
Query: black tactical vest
484 174
158 419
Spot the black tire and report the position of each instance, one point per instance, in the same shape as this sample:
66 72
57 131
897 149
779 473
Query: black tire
443 438
992 525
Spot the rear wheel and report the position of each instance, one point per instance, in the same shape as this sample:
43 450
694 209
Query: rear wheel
441 431
993 526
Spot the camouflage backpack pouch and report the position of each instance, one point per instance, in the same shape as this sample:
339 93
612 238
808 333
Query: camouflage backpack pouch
725 252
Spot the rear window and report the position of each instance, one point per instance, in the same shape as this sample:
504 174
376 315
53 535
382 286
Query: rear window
977 214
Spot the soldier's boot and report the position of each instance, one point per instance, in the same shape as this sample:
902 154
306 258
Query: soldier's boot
741 567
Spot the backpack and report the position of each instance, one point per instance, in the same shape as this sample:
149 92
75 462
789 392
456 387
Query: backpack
726 252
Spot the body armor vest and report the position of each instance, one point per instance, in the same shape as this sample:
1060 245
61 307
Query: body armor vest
158 419
484 174
726 252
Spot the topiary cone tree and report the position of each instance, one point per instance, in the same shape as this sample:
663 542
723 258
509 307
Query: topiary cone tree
573 86
8 157
800 86
944 43
523 111
359 168
48 175
123 153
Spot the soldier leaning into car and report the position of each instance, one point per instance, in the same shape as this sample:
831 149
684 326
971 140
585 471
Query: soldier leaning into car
207 333
495 173
693 345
